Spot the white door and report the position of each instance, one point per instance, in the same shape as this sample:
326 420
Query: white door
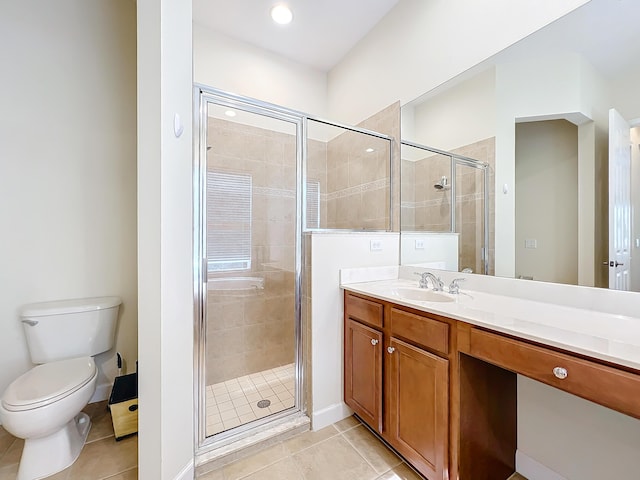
619 202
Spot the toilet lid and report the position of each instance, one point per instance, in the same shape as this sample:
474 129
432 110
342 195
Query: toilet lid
48 383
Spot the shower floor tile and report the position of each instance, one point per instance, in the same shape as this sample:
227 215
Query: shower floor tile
235 402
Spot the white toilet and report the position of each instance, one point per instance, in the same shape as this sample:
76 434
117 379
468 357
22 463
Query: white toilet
43 406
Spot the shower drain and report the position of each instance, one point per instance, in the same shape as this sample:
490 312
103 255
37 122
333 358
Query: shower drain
264 403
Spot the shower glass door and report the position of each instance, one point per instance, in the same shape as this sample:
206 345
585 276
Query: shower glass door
470 216
249 239
442 192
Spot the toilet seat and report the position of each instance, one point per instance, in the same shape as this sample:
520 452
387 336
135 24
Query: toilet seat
48 383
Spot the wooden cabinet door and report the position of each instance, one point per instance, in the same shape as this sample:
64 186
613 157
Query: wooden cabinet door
363 372
418 392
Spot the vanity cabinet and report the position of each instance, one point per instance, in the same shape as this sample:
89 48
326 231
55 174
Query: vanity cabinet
397 379
417 403
443 391
363 372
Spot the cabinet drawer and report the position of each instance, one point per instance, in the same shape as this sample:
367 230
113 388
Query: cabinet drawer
607 386
363 310
421 330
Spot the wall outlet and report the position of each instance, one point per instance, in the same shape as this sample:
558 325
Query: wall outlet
530 243
419 244
375 245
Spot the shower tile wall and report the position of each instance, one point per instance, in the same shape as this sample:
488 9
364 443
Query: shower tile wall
425 208
431 207
251 332
358 181
469 203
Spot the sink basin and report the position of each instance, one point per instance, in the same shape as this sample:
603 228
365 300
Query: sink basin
421 295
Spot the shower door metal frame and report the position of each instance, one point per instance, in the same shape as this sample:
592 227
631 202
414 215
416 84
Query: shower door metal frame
469 162
204 95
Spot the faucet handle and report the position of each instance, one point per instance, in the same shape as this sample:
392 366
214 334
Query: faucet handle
454 287
423 283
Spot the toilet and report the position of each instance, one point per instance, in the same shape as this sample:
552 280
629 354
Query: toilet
43 406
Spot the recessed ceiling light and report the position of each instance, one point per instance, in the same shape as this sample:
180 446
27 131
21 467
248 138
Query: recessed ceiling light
369 150
230 113
281 14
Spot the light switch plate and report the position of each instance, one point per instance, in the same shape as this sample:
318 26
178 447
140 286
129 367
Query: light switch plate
375 245
530 243
419 244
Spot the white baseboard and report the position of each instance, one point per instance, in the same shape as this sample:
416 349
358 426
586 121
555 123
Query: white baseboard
534 470
187 473
103 391
331 414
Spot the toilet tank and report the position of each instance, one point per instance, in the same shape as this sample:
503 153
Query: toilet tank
70 328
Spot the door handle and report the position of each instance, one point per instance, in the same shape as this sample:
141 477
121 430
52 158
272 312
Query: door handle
614 264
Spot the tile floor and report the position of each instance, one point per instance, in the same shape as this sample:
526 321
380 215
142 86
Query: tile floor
235 401
101 458
345 450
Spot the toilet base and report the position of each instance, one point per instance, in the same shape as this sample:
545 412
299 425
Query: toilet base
42 457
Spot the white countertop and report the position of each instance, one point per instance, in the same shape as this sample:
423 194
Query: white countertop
605 336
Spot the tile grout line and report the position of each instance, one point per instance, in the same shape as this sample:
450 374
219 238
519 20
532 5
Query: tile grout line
252 384
262 467
362 456
288 455
119 473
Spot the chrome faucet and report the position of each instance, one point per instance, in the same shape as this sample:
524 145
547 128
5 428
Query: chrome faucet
438 285
454 287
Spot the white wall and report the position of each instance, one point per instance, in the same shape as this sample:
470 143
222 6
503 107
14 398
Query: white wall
635 200
331 252
461 115
165 307
67 166
574 438
420 45
438 250
546 190
557 86
241 68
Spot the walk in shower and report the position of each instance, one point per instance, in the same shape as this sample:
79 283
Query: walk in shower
264 175
248 284
447 193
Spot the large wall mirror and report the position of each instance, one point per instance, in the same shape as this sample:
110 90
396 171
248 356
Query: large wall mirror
556 120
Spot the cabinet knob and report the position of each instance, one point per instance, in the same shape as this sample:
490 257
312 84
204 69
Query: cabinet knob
391 349
374 341
560 373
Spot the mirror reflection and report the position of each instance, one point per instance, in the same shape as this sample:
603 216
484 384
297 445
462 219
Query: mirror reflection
557 115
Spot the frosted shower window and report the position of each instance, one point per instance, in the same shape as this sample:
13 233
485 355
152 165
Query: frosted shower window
229 220
313 204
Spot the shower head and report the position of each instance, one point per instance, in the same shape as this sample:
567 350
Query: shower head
443 184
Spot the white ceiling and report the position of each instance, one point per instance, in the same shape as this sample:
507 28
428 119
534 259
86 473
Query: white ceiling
321 33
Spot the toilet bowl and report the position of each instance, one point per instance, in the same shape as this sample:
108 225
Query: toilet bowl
42 406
